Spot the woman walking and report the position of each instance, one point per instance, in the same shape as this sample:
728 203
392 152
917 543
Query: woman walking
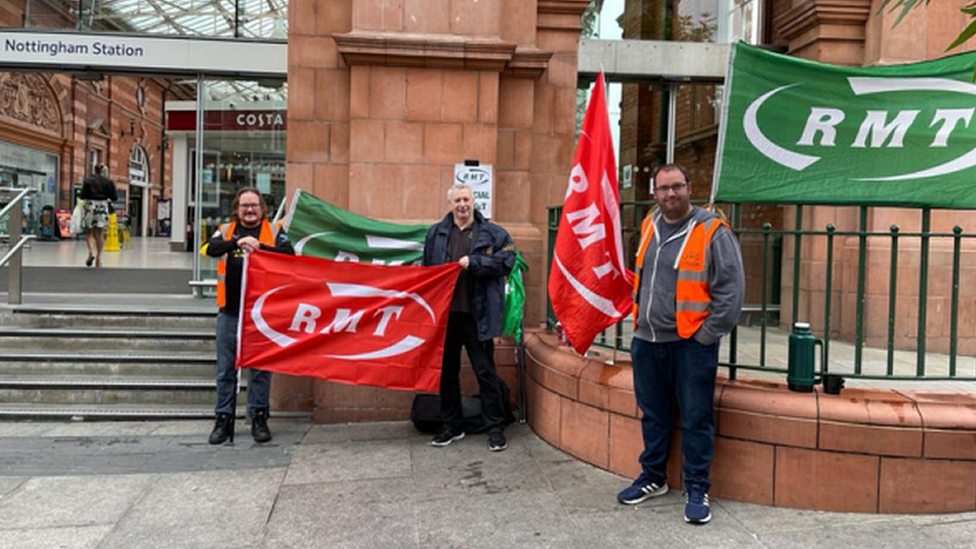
97 191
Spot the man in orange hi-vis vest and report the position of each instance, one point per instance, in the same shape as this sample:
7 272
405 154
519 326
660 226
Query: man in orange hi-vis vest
248 231
687 295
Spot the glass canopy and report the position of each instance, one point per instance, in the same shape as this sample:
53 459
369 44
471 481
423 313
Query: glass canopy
249 19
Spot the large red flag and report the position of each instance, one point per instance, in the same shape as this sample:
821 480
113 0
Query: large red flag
589 286
350 322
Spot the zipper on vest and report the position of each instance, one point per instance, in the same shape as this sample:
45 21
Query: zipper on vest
685 233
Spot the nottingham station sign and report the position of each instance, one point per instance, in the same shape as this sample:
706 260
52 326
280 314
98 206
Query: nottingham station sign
142 54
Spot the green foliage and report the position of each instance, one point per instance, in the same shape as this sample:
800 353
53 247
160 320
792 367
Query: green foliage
905 6
908 5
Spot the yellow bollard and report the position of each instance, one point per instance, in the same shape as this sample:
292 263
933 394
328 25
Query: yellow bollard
112 234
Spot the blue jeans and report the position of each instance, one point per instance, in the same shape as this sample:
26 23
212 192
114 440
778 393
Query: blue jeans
259 387
682 373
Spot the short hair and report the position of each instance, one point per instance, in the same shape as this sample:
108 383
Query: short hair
673 166
101 170
235 205
458 187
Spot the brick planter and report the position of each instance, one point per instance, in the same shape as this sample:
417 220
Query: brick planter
866 450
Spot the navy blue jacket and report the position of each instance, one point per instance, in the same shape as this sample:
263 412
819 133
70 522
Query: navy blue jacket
491 259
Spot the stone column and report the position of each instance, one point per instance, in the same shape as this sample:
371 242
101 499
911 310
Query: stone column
385 97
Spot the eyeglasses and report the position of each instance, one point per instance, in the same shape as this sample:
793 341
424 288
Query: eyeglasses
665 189
249 206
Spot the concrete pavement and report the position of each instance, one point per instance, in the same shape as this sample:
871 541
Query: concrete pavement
377 485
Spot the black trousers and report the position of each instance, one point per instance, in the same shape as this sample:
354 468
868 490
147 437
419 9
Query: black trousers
462 330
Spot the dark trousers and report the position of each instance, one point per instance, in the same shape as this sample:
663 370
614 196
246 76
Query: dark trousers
462 330
682 373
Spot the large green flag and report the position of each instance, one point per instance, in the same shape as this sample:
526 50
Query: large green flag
798 132
319 229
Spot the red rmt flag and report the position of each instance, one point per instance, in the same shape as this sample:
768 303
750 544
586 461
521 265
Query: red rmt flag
355 323
589 286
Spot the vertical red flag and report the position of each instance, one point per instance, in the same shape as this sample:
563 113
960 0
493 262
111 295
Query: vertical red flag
589 286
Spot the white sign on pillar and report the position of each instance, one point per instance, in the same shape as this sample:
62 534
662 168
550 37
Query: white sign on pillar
482 182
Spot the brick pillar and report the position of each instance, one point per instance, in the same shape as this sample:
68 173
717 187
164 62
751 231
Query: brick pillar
384 99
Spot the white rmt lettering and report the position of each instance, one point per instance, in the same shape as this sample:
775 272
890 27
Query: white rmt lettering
577 181
876 124
346 256
603 270
345 320
387 314
950 118
824 121
585 224
305 317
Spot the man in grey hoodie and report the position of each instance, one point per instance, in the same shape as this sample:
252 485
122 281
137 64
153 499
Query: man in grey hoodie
688 294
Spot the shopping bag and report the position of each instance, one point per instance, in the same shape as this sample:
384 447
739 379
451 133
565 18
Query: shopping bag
77 218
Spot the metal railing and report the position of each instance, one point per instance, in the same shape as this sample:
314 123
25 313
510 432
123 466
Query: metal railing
13 259
879 327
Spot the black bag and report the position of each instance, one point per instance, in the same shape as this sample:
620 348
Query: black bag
425 413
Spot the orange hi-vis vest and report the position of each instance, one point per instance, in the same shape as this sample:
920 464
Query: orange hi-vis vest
692 295
267 237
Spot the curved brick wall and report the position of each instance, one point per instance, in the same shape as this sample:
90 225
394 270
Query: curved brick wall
873 451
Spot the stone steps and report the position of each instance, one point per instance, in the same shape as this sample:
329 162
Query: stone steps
91 362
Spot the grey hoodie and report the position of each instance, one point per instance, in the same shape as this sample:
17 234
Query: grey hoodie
726 281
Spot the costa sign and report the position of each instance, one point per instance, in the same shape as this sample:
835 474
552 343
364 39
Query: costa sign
228 120
349 322
799 132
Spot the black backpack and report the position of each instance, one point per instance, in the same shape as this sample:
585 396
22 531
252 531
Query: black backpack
425 413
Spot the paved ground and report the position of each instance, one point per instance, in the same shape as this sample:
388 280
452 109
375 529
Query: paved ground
379 485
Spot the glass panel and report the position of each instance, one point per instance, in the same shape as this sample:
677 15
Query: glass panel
243 145
23 167
256 19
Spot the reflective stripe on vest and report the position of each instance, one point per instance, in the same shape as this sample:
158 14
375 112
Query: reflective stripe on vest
692 296
267 237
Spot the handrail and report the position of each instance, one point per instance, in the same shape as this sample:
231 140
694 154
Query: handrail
15 274
20 244
15 202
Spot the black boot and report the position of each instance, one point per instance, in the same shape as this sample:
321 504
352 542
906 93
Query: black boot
222 429
259 426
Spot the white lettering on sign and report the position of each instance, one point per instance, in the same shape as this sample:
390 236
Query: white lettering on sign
260 119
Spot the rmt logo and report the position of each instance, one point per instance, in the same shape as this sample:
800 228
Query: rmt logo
909 130
348 321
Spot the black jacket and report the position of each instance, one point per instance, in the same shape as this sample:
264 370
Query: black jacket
97 187
491 259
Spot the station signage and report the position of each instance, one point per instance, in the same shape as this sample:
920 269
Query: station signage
228 120
145 54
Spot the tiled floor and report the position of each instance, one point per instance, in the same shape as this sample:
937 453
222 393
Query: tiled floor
140 253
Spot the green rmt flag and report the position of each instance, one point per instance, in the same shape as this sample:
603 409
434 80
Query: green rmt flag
798 132
319 229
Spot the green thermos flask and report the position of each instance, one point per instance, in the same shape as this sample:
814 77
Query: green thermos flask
800 374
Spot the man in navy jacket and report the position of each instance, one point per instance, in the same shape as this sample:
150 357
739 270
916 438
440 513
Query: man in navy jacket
486 254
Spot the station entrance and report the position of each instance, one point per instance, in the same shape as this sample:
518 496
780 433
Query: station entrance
181 124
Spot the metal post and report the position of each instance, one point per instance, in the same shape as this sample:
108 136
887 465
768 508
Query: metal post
923 288
198 190
862 258
15 272
672 115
